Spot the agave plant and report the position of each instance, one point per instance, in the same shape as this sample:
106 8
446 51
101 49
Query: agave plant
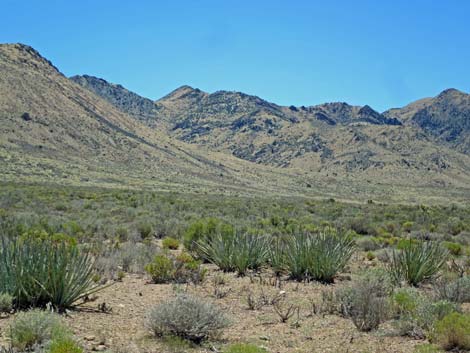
37 273
318 256
417 262
235 252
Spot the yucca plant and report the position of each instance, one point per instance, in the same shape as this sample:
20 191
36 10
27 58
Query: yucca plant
417 262
235 252
37 273
318 256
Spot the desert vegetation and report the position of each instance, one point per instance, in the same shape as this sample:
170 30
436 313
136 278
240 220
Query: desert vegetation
188 273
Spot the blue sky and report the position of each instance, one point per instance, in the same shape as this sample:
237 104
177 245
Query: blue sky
380 53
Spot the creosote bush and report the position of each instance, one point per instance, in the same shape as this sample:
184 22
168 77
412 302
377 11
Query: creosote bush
417 262
39 272
187 317
183 268
453 332
6 303
170 243
455 289
318 256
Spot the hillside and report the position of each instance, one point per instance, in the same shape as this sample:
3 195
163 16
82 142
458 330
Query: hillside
55 130
330 140
446 116
87 131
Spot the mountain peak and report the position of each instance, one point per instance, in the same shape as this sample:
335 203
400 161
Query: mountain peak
183 92
23 54
451 93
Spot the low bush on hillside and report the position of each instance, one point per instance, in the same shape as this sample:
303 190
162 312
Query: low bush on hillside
416 313
417 262
203 230
237 252
187 317
6 302
455 289
39 272
38 330
318 256
452 332
366 302
166 268
170 243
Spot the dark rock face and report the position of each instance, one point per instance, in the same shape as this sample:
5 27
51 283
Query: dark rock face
139 107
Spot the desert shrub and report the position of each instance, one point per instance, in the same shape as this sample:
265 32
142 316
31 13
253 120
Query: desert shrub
318 256
170 243
6 303
183 268
34 328
366 302
417 262
453 332
160 269
244 348
240 253
64 345
36 273
145 230
455 290
204 229
454 248
128 257
368 243
187 317
417 313
122 233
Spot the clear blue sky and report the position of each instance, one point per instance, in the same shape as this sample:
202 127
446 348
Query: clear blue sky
288 52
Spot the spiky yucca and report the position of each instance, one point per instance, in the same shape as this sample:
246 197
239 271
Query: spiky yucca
318 256
417 262
37 273
239 252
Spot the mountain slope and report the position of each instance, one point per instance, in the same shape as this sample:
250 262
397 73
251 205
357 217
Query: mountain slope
54 129
446 116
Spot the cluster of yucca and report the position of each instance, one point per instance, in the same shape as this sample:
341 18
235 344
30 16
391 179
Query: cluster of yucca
318 256
42 272
238 253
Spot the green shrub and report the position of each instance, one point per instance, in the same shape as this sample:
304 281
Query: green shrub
145 230
238 253
453 332
244 348
187 317
405 301
205 228
6 303
64 345
122 233
454 248
40 272
180 269
417 262
277 255
160 269
366 301
170 243
318 256
34 328
456 290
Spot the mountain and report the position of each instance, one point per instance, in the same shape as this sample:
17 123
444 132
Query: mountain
446 116
88 131
54 130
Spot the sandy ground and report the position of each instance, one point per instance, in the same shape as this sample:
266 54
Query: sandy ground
123 330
